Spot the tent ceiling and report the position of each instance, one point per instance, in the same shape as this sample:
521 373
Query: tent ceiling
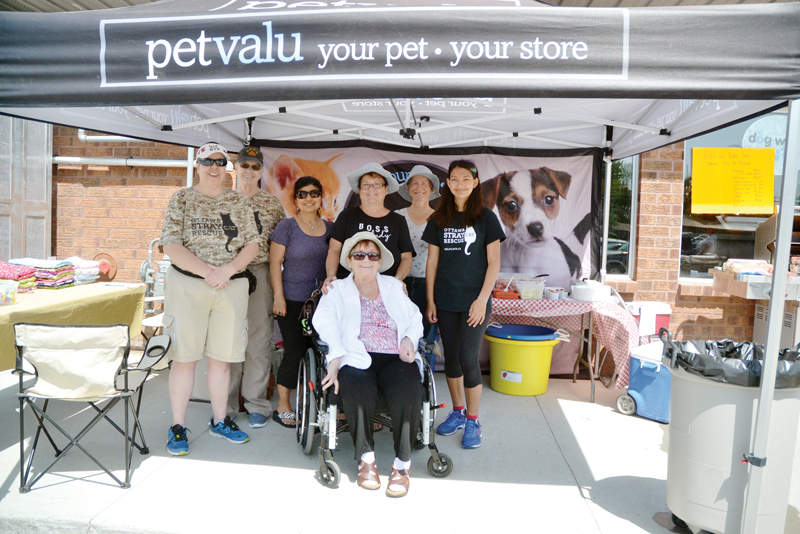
53 6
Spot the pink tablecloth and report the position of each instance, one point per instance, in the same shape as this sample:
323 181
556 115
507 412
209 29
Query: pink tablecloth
614 327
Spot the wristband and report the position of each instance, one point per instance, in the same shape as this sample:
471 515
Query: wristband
483 299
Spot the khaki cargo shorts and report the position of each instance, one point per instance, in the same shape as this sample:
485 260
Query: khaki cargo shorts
203 321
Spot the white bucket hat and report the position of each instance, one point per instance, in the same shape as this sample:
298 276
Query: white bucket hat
420 170
387 260
355 176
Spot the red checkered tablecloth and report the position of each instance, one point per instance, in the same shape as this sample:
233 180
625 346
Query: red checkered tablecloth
613 326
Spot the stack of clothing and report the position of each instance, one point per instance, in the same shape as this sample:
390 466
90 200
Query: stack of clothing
86 271
26 276
50 274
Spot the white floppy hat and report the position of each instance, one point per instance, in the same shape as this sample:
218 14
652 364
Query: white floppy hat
387 260
355 176
420 170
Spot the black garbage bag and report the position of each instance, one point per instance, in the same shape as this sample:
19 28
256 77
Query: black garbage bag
732 362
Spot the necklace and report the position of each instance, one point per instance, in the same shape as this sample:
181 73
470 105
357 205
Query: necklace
308 223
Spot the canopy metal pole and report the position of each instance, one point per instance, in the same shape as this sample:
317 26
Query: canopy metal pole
776 306
606 215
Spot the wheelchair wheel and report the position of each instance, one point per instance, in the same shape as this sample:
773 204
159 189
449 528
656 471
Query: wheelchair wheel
330 474
306 407
441 470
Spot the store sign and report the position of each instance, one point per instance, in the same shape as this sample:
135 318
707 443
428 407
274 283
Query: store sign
322 44
768 132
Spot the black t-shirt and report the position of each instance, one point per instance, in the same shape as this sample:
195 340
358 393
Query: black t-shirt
462 259
391 229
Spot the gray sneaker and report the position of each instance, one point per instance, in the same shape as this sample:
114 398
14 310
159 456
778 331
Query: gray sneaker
257 420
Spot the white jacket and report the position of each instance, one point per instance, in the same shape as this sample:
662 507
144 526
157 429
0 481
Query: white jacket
337 319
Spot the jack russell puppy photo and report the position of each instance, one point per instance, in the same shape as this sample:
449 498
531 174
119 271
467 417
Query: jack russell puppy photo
528 203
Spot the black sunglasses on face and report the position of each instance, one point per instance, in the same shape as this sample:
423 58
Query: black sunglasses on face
207 162
359 256
314 193
255 166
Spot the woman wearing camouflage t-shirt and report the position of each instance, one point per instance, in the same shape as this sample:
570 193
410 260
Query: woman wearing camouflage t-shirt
210 236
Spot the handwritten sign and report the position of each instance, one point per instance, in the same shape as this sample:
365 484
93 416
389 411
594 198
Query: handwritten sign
733 180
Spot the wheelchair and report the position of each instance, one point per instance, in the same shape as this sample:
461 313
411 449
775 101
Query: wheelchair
317 412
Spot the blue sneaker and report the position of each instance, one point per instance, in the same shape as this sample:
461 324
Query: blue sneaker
454 422
472 435
177 442
229 430
257 420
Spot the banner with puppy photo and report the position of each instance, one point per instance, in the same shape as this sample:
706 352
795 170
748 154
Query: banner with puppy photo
548 201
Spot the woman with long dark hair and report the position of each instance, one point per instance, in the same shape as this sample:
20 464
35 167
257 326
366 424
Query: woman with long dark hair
463 262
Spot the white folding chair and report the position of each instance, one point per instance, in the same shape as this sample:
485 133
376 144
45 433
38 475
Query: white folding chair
80 364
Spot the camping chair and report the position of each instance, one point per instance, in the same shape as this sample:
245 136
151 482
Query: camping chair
84 364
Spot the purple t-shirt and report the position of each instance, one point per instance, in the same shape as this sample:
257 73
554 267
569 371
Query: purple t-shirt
304 261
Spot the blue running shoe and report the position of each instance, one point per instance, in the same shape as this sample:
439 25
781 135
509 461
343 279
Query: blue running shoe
229 430
257 420
454 422
177 442
472 435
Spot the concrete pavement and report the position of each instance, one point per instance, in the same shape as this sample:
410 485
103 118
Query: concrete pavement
552 463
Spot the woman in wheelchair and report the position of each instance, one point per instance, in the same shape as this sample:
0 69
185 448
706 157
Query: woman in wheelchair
372 350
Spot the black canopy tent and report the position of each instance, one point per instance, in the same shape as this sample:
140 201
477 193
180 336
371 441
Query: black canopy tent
629 80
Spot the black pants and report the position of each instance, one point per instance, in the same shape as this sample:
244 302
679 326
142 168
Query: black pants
295 344
400 383
462 345
418 295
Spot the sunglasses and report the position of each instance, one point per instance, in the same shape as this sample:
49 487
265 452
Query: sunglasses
372 186
314 193
254 166
359 256
208 162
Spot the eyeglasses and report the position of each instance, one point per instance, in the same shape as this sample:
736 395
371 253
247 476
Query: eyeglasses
255 166
314 193
208 162
359 256
372 186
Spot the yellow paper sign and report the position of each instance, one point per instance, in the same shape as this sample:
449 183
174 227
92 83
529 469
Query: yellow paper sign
733 180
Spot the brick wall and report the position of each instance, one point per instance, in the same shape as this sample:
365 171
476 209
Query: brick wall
112 209
698 312
118 211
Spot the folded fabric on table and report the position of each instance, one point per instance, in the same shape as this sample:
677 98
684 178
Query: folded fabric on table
43 264
89 272
54 274
81 264
15 272
67 281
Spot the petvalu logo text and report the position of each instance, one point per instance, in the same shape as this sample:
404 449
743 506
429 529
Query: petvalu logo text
204 49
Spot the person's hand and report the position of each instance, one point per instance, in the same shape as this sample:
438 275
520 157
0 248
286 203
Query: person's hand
279 306
477 313
431 313
220 277
328 284
332 376
406 350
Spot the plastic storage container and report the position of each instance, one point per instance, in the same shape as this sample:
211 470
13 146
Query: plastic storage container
648 384
8 291
519 358
530 289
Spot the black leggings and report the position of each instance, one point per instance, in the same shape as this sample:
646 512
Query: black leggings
462 345
295 344
401 385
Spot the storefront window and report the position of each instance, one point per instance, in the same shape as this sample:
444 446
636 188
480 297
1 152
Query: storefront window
708 240
624 181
